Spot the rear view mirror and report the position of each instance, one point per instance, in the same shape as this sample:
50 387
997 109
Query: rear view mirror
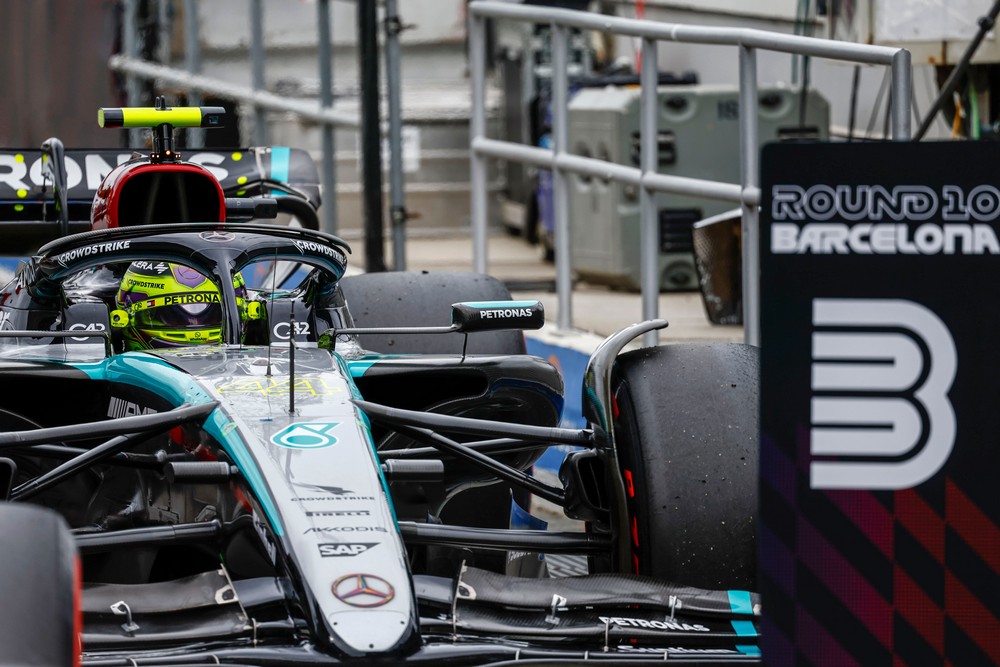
496 315
466 317
241 209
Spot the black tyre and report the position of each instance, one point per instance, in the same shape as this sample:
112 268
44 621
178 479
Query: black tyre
39 616
687 437
411 298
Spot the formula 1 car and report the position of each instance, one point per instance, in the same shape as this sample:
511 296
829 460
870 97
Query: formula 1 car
305 487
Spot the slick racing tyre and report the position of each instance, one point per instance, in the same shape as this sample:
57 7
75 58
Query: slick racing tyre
39 614
687 439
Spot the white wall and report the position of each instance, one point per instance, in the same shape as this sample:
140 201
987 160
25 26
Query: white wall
433 45
292 24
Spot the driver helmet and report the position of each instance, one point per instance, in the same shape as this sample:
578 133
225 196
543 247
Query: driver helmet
172 305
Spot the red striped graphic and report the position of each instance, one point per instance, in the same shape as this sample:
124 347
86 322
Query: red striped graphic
869 515
919 610
921 521
846 583
821 649
975 620
972 525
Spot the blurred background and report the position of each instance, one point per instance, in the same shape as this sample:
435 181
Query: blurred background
379 94
54 72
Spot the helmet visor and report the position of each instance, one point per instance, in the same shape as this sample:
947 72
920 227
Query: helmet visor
180 315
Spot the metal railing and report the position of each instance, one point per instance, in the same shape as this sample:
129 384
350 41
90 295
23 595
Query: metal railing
562 163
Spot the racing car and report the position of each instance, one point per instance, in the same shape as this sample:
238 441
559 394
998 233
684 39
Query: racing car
296 479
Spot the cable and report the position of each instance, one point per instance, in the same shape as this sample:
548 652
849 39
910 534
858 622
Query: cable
878 103
973 112
932 92
913 103
885 119
855 82
803 92
801 19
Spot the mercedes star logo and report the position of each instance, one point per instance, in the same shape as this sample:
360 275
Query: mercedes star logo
218 237
363 590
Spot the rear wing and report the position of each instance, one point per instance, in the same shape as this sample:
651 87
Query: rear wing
28 215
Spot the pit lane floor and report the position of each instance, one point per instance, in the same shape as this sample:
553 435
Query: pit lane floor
598 311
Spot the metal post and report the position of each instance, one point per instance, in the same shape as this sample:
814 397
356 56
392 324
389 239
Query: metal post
902 89
649 246
371 135
560 178
194 137
477 130
747 192
328 175
130 39
163 31
750 181
397 204
257 69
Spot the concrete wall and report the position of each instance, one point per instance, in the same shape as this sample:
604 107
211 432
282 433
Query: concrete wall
433 45
53 72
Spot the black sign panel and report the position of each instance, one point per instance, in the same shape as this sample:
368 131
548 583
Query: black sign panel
880 408
240 171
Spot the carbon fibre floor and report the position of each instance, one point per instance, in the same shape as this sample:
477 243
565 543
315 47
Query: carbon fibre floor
565 565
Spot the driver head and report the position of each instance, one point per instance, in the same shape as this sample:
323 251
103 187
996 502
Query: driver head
171 305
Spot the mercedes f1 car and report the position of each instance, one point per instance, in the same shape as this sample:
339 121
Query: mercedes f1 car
314 479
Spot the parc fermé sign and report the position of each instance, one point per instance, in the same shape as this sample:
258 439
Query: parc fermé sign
880 404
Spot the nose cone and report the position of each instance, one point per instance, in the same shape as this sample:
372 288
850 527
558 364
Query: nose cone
370 630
